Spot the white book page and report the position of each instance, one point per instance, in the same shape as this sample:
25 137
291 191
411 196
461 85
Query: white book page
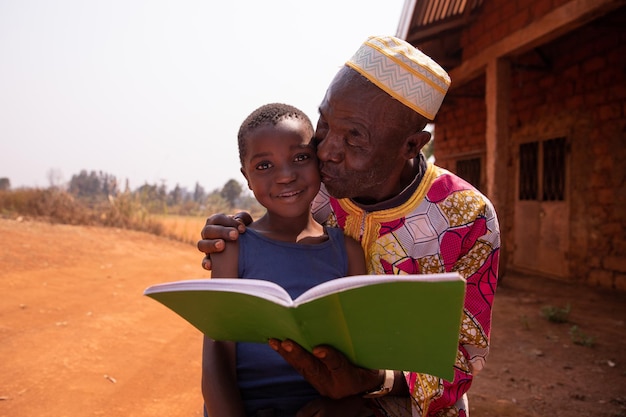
347 283
258 288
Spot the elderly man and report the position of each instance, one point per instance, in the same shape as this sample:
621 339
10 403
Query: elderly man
410 216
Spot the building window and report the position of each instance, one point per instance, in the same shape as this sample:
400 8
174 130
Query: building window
554 170
545 180
528 171
469 170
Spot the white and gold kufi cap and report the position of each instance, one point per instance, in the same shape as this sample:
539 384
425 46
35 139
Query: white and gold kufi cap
404 72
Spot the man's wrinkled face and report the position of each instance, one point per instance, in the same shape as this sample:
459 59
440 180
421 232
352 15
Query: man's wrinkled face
358 143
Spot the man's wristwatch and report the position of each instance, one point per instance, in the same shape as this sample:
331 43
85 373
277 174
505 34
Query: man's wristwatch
384 389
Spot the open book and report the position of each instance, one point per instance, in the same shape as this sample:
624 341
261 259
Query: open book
401 322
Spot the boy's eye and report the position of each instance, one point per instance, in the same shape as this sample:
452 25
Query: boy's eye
263 166
302 157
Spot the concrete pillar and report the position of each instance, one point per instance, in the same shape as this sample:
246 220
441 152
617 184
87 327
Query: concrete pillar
499 183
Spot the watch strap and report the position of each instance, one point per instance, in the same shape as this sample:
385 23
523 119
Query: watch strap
385 388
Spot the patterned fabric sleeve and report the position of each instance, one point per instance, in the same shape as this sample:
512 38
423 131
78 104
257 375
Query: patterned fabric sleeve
450 226
470 247
468 242
478 263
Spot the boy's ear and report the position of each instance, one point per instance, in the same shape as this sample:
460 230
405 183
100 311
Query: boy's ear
415 143
243 172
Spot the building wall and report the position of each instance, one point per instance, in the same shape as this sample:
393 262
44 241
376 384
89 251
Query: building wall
460 125
500 18
574 86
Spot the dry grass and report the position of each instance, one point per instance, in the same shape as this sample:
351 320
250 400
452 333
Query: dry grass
124 211
56 206
182 228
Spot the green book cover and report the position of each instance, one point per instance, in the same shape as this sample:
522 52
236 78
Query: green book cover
401 322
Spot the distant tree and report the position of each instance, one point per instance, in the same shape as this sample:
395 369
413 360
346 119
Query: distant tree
55 178
199 195
5 184
162 192
175 196
249 203
147 192
109 184
152 197
215 203
231 192
85 184
93 185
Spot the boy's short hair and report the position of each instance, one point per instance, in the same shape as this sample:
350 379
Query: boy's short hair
269 114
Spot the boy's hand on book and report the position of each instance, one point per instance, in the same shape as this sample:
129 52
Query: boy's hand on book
219 229
327 369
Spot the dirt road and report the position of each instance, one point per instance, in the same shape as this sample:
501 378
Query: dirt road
77 338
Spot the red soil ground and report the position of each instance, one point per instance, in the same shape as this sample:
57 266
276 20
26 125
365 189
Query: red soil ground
79 339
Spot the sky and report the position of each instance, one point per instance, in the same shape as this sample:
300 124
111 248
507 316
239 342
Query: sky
154 91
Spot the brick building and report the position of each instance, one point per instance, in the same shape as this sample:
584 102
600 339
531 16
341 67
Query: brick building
536 119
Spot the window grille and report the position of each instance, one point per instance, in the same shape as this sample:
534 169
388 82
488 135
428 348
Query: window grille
469 170
554 169
542 170
528 171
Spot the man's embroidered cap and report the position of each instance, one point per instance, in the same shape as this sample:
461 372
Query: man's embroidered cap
404 72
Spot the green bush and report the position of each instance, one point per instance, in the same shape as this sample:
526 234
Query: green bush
556 314
581 338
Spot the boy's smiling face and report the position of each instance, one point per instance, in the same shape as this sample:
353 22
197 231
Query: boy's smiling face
281 167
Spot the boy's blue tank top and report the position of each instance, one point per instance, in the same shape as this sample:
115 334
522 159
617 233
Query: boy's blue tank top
265 380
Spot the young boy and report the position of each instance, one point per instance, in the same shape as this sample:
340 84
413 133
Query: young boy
287 246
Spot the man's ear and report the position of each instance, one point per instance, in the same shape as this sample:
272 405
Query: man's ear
415 143
243 172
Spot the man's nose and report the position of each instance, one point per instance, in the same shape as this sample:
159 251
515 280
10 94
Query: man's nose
329 148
